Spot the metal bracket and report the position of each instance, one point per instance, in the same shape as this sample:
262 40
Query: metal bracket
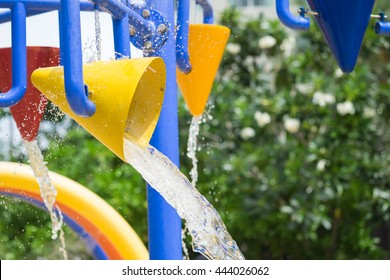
382 27
154 41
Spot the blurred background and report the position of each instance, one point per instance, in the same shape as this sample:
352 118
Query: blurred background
293 154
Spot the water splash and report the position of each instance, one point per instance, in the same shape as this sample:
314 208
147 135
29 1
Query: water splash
47 190
192 147
209 234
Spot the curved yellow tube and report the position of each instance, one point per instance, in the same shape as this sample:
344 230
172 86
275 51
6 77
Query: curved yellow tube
106 226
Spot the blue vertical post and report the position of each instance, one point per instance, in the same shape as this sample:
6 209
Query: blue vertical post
164 224
121 37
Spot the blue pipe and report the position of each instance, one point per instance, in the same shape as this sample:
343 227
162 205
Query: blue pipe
208 14
7 15
19 58
45 5
183 18
164 225
76 90
121 37
288 19
382 28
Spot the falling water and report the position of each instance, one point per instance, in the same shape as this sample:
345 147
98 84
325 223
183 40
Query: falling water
209 234
98 36
192 147
48 191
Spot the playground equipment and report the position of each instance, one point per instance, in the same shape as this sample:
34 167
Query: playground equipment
104 97
342 22
139 92
104 231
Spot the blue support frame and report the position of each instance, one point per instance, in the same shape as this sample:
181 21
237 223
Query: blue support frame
164 224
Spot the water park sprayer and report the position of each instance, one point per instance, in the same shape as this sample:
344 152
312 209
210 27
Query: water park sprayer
106 96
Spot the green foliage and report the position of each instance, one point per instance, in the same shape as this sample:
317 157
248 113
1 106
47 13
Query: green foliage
297 154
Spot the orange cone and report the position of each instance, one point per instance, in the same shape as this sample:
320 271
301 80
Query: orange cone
206 46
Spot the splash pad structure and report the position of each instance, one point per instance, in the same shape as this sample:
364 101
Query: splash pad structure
132 94
343 24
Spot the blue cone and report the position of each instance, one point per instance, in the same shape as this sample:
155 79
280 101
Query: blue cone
343 23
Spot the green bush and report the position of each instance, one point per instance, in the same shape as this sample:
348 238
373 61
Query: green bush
296 154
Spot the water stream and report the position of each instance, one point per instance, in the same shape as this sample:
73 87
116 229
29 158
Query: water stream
47 190
192 147
208 232
98 36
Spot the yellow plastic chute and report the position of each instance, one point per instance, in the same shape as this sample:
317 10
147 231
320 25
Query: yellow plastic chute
206 46
128 95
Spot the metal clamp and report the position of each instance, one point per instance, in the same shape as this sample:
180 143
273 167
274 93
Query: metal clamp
287 18
382 27
152 41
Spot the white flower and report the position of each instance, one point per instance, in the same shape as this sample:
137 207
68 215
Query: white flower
292 125
282 137
305 88
288 45
323 99
321 165
249 62
346 108
233 48
267 42
262 119
247 133
369 112
338 73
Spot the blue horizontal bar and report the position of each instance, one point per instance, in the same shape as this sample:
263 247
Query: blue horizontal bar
44 5
115 8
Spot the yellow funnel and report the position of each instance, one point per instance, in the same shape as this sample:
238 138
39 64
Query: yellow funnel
128 95
206 46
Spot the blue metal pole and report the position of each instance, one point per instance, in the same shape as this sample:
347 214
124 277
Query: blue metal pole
164 225
76 90
183 18
121 37
19 58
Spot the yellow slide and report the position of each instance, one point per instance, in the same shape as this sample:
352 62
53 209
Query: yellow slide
105 231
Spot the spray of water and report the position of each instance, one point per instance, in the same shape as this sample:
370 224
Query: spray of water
209 234
47 190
